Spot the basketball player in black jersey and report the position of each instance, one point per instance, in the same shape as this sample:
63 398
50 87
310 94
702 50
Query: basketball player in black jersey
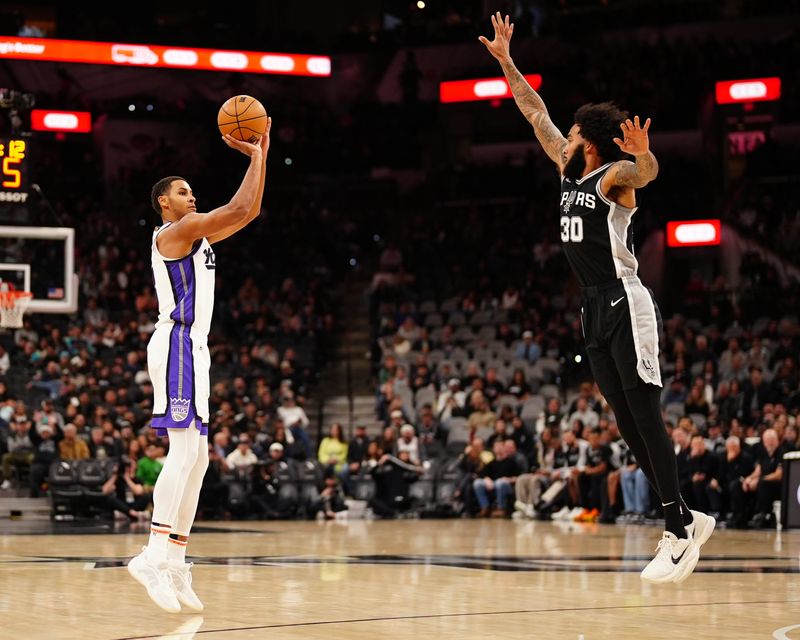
621 321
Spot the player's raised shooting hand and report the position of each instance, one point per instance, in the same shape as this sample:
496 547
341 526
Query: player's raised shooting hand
500 47
244 147
634 140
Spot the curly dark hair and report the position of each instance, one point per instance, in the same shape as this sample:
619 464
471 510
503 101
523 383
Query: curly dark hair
161 188
599 124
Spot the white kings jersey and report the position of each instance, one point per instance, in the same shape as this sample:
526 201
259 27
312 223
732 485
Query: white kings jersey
178 358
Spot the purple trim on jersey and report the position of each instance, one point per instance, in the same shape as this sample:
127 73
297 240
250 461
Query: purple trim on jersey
201 426
181 411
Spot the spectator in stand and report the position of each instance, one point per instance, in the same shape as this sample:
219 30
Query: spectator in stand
408 442
149 467
71 446
551 417
497 480
725 490
470 464
388 442
331 497
482 416
525 441
266 499
499 434
102 446
492 387
296 422
591 477
242 458
766 480
701 469
755 394
333 449
586 415
452 402
518 386
45 452
635 491
356 456
19 448
393 476
531 485
696 401
715 442
528 349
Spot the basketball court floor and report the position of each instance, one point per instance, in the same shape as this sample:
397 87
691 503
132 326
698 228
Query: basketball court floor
402 579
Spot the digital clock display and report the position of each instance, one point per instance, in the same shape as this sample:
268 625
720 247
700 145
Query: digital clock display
14 183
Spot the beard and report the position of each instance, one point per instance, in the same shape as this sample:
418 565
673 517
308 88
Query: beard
575 165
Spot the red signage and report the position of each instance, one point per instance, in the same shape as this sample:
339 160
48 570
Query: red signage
693 233
74 121
481 89
146 55
753 90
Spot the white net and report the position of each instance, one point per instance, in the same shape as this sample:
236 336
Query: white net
12 308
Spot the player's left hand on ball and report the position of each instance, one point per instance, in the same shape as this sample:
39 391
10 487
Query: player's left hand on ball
244 147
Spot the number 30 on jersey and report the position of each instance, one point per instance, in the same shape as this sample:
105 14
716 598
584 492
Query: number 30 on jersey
571 229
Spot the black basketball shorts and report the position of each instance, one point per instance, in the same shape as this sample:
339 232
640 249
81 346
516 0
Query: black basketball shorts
622 325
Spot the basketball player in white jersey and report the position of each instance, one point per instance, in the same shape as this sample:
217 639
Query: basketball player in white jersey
179 362
619 316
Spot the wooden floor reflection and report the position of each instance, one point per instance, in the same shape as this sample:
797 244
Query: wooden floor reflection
417 578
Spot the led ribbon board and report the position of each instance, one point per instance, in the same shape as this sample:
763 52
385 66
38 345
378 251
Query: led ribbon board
753 90
693 233
146 55
481 89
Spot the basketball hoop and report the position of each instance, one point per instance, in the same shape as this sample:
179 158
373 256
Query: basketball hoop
13 304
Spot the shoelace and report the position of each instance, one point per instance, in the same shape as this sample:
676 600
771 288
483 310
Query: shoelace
664 542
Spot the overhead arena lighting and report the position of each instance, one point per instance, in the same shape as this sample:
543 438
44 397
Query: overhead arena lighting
753 90
141 55
481 89
70 121
693 233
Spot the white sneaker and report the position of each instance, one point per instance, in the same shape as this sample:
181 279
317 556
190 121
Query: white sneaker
6 485
530 511
519 505
180 574
155 580
701 528
576 511
675 559
562 514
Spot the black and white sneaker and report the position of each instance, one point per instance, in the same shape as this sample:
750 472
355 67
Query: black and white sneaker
675 560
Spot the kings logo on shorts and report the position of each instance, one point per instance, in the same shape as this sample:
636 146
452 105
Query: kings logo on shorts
179 408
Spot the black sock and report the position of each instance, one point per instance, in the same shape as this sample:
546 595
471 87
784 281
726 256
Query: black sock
688 518
673 519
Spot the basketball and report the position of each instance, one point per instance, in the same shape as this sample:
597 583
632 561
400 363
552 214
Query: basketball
243 117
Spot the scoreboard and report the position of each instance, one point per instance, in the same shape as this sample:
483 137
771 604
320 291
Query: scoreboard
14 178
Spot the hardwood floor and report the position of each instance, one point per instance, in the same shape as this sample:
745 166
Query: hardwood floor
423 578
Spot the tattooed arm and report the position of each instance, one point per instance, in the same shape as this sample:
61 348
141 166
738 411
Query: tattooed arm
635 142
528 101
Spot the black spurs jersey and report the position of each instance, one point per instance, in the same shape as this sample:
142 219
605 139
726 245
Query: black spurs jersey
595 232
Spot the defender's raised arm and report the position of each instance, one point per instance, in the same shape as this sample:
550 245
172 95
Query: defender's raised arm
528 101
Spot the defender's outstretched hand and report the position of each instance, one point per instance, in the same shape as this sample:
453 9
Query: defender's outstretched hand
503 30
635 140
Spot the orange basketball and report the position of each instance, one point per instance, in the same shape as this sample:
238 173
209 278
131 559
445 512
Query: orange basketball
243 117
